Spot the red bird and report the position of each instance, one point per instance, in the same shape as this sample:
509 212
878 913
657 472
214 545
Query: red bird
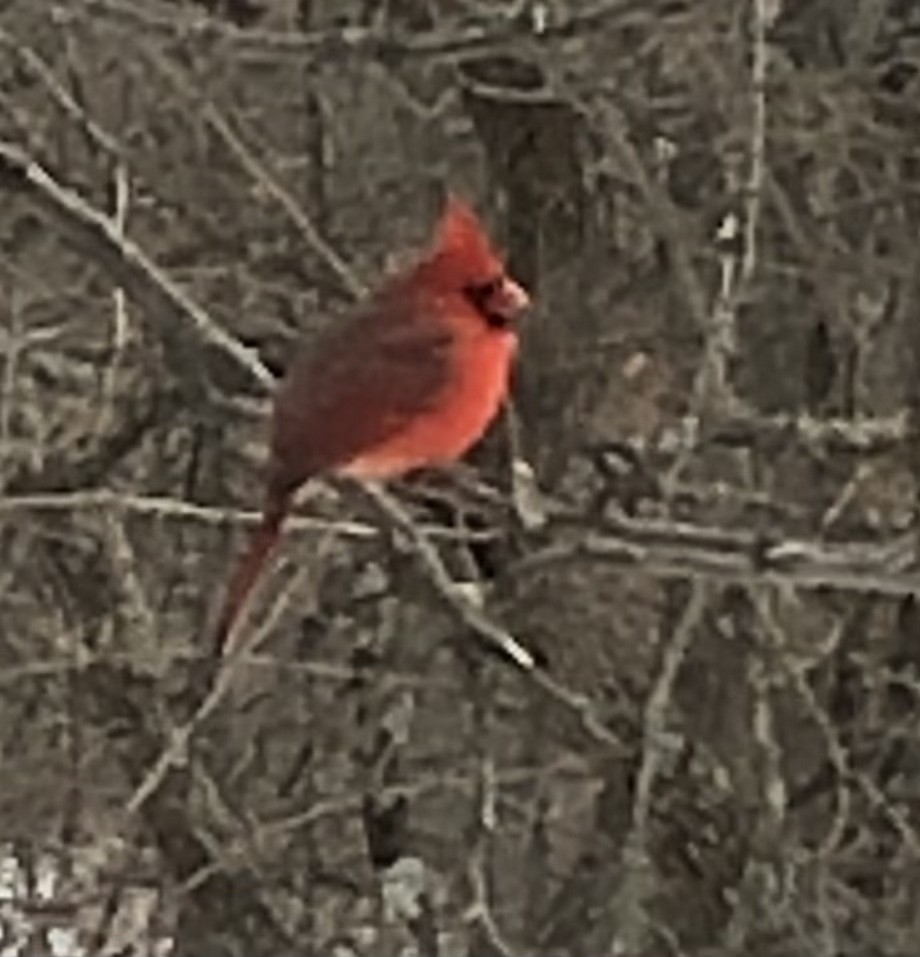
412 380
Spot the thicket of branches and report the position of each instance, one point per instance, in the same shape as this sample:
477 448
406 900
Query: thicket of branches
708 743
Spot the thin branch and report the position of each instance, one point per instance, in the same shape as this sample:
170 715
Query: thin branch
120 315
349 803
173 509
655 742
758 145
637 877
140 413
492 636
261 175
175 753
64 100
174 318
839 758
340 43
857 436
487 934
132 598
669 550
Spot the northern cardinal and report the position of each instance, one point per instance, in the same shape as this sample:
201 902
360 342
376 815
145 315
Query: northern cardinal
412 380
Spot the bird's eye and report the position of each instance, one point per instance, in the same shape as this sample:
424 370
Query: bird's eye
491 287
484 298
480 294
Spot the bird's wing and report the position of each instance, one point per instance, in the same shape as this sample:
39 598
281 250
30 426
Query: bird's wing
361 384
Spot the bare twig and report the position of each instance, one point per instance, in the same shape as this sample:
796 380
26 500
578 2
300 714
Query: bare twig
495 638
134 604
65 101
371 42
480 860
839 758
637 874
492 636
348 804
177 319
758 142
120 326
176 750
261 175
737 271
12 345
667 549
173 509
863 436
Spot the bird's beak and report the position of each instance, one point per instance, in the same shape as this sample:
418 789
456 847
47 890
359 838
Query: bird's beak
513 298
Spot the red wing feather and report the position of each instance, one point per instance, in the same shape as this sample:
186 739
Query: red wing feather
365 380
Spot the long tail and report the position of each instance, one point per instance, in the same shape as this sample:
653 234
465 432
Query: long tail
261 545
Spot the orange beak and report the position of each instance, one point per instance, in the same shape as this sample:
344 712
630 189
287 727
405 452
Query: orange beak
512 298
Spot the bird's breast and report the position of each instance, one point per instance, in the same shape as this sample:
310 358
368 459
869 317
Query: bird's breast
457 416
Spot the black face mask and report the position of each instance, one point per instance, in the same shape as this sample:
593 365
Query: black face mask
481 295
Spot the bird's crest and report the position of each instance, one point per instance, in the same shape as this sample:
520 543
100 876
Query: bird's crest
461 235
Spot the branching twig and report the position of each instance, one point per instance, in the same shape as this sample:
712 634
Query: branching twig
173 509
370 42
176 750
637 877
66 103
492 636
857 436
667 549
262 176
176 317
487 934
839 758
